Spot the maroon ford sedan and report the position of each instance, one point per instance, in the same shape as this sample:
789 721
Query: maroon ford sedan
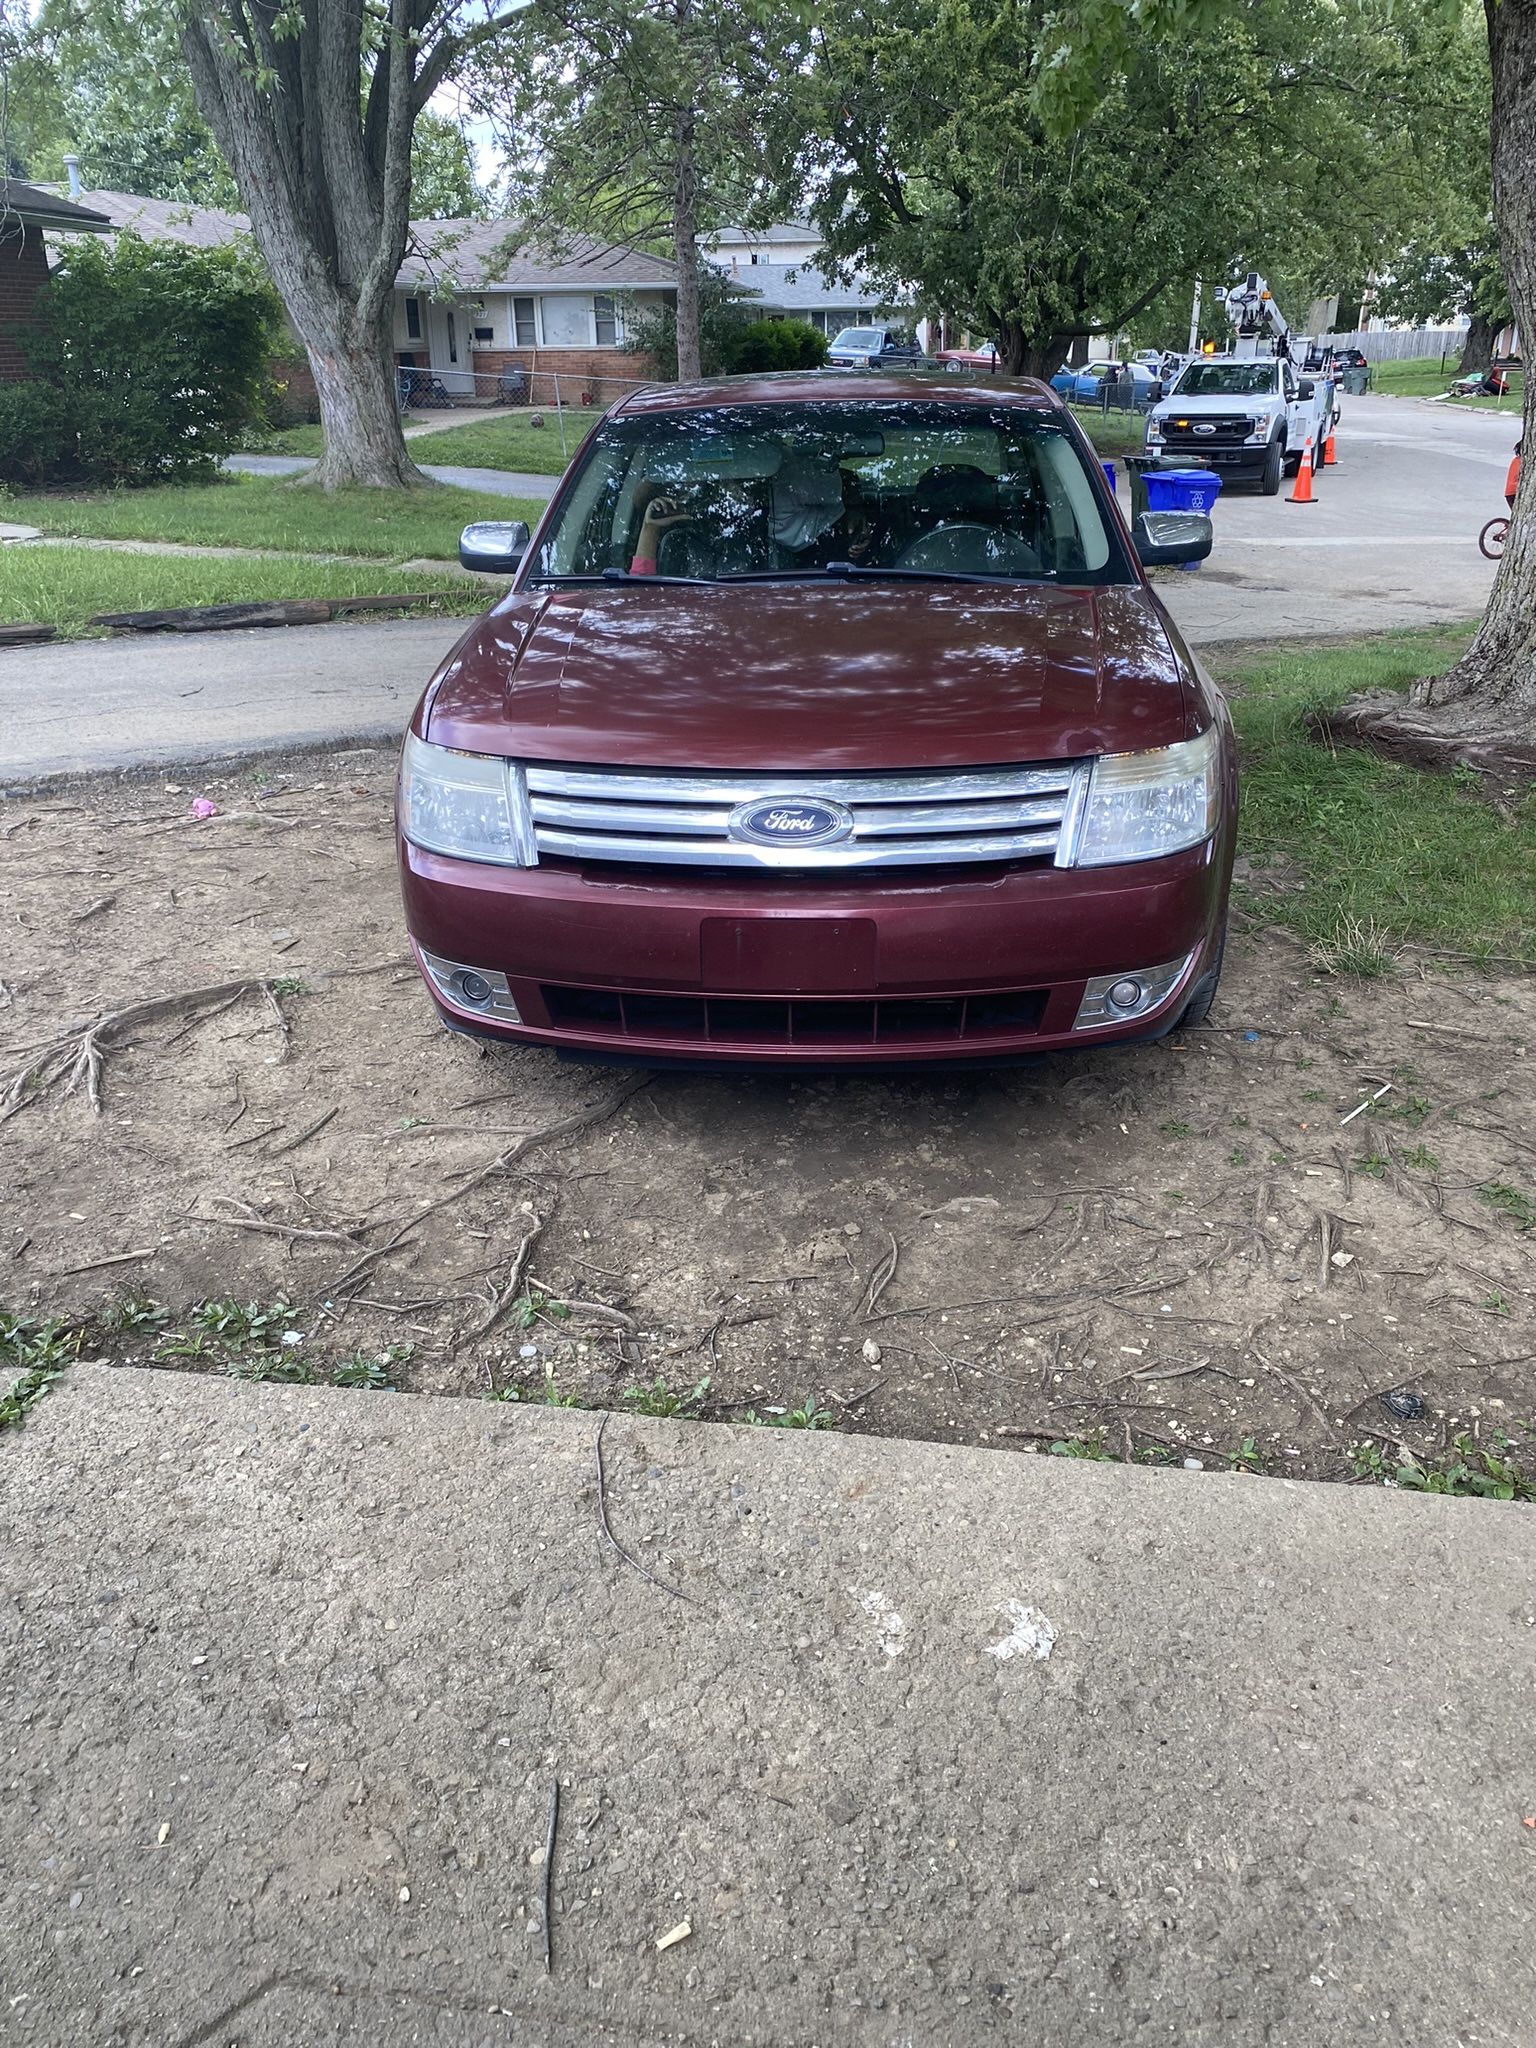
823 725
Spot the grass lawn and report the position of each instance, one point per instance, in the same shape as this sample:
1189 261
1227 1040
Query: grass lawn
1422 377
65 586
1113 434
1383 850
506 441
271 512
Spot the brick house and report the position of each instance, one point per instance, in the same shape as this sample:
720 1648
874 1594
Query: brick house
471 304
27 215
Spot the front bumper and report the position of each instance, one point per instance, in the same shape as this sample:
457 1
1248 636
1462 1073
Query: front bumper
790 971
1234 461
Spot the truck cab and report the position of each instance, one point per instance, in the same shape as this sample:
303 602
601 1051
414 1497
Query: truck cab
1246 417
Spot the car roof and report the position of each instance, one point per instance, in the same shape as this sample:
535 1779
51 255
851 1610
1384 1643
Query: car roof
798 387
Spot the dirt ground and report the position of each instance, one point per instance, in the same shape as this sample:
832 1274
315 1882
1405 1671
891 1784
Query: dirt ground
1180 1251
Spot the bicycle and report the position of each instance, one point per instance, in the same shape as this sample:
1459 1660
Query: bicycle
1490 542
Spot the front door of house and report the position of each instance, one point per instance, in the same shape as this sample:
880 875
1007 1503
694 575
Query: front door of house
446 343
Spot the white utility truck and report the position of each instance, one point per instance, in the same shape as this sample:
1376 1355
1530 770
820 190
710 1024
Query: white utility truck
1247 415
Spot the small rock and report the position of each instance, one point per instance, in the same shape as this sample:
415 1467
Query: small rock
871 1352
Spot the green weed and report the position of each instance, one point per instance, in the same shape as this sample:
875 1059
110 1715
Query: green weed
660 1399
1514 1203
1466 1468
806 1416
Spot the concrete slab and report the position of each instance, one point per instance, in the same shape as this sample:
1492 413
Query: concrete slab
286 1675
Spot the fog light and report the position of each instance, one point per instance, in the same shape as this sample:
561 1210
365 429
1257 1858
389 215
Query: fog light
1116 998
471 988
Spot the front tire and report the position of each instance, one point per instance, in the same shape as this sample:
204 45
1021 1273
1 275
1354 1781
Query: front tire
1274 469
1203 994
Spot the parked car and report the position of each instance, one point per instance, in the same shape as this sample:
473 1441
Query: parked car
824 723
987 358
870 348
1083 387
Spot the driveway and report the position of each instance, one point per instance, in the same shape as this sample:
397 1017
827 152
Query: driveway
1391 541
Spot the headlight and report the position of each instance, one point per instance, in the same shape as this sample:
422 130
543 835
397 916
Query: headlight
1142 805
471 805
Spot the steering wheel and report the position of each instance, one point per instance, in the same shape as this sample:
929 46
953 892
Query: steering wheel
965 549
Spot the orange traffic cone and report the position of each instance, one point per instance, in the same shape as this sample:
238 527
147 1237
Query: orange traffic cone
1329 458
1302 495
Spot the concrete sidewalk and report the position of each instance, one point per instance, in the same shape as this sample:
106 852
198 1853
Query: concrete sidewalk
925 1745
502 483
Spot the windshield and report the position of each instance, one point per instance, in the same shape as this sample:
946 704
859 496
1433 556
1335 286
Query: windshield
916 487
1226 380
858 337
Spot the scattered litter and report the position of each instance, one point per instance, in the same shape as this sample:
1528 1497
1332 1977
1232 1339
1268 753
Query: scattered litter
1250 1038
527 1350
203 807
1341 1258
165 1833
1032 1634
887 1621
291 1337
1194 1464
1403 1403
674 1935
1361 1107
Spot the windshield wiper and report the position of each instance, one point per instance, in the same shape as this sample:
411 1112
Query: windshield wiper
620 576
842 572
863 573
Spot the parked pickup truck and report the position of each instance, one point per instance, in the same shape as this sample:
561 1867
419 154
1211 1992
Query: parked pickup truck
1248 417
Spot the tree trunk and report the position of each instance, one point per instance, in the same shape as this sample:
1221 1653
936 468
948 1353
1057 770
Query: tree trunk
1477 350
326 183
685 245
1483 711
1023 353
355 381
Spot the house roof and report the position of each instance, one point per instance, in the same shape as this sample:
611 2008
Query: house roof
30 203
802 288
479 255
473 254
782 231
170 220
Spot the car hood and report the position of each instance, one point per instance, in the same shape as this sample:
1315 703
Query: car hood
1198 408
785 676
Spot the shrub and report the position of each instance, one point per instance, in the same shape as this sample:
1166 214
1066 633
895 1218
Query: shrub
775 345
157 355
35 432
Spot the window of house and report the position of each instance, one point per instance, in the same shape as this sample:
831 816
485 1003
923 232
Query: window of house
605 321
413 319
525 333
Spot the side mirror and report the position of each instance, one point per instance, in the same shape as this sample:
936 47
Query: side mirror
1305 389
494 547
1166 540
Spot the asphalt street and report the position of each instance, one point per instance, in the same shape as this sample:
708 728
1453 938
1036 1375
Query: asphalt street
1391 541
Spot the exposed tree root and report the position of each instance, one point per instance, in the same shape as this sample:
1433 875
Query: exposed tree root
76 1058
1462 733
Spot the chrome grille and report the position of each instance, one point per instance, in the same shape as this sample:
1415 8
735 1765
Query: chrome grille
650 816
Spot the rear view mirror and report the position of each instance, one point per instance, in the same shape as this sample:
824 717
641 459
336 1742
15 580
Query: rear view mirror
1166 540
494 547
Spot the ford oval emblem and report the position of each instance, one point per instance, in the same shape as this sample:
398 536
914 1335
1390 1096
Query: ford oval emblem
1204 428
791 821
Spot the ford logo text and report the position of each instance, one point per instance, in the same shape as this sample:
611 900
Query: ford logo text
791 821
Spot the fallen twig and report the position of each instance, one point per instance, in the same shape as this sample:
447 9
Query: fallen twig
502 1298
310 1131
549 1870
602 1516
94 1265
883 1273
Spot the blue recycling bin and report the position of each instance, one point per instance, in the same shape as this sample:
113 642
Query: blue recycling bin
1109 475
1183 490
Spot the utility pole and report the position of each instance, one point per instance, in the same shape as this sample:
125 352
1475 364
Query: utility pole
1194 321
